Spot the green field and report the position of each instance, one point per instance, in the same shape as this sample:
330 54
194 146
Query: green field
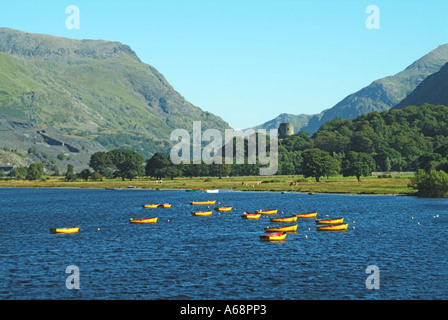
396 185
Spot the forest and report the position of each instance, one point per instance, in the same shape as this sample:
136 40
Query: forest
405 139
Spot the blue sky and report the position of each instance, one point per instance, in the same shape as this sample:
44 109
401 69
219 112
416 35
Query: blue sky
248 61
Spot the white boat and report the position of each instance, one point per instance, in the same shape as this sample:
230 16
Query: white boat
212 190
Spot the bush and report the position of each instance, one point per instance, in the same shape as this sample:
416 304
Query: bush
96 176
430 184
35 171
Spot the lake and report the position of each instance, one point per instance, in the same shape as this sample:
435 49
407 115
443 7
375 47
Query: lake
221 256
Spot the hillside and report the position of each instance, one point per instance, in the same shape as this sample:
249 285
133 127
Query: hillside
381 94
432 90
396 139
299 121
92 88
23 142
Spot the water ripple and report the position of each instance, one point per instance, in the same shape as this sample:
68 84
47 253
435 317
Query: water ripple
218 257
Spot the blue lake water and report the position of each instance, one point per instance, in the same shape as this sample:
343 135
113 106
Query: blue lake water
219 257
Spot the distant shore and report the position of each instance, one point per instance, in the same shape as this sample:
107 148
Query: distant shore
395 185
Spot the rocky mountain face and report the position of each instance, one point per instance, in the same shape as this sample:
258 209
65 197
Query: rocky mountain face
95 89
432 90
23 142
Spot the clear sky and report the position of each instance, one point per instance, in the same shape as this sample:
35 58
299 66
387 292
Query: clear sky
248 61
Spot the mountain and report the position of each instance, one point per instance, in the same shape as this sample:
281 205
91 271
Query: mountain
23 142
381 94
92 88
432 90
299 121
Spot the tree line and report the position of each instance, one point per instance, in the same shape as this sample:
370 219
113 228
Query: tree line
408 139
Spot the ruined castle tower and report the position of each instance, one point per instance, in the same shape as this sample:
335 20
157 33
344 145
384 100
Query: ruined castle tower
285 129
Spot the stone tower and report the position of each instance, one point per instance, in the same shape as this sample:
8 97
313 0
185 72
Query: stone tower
285 129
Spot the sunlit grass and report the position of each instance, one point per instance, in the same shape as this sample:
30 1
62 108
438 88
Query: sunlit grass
338 184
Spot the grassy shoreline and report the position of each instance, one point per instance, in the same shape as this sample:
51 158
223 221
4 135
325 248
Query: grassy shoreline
396 185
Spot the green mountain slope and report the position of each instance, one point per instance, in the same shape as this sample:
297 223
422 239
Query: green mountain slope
382 94
432 90
396 138
93 88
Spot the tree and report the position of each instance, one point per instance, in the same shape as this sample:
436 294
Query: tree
429 161
155 165
358 164
442 150
430 184
35 171
170 171
219 169
316 163
18 173
70 175
286 168
102 163
128 163
56 171
96 176
85 174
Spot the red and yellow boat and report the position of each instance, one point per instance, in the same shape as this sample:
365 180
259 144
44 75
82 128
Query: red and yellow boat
284 219
144 220
278 236
224 209
267 211
330 221
248 215
202 213
306 215
200 203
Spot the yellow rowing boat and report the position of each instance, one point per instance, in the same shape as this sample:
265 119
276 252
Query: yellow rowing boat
332 227
202 213
224 209
151 206
306 215
65 230
197 203
266 211
330 221
165 205
291 228
284 219
144 220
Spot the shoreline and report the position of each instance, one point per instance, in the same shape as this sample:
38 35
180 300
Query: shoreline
396 186
226 190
